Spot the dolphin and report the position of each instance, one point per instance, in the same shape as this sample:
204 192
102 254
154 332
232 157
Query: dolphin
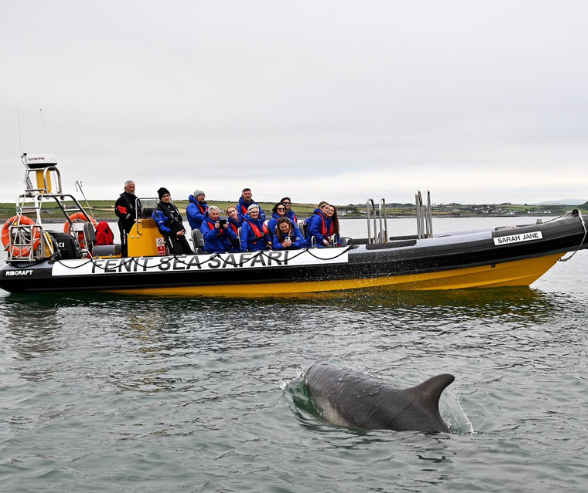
347 398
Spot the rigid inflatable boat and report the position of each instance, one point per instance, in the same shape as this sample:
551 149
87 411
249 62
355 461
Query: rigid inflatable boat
44 261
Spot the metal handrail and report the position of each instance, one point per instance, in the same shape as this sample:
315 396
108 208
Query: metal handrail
424 215
383 235
373 209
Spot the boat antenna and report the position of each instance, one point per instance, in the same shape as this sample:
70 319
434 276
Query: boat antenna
79 189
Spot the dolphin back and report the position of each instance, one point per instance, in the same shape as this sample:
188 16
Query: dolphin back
348 398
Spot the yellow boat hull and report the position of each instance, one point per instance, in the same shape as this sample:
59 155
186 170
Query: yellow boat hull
515 273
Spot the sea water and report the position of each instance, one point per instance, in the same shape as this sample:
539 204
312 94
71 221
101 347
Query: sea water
106 392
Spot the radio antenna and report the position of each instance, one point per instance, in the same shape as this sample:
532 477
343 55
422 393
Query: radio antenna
79 189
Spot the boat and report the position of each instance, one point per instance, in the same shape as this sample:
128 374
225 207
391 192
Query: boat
44 261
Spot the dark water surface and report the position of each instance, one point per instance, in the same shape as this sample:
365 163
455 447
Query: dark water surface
109 393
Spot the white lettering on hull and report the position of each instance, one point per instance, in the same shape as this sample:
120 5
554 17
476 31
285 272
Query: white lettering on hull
506 240
180 263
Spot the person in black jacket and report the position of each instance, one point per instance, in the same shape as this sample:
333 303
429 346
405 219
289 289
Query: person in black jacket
169 222
126 211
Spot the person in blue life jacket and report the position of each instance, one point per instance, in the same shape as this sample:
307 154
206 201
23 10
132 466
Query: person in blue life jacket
234 223
218 236
288 236
245 201
278 212
196 209
289 212
254 233
320 226
169 223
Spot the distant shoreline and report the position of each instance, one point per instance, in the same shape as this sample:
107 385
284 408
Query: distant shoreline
53 220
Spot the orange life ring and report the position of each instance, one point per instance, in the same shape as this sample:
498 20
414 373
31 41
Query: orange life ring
79 216
16 251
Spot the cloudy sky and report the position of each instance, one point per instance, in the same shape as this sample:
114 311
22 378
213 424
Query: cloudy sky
477 101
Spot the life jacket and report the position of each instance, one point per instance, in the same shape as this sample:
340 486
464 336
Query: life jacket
203 209
129 208
174 218
104 235
256 231
292 216
324 226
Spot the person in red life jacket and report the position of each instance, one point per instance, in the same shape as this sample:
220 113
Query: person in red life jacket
254 232
289 212
288 236
104 235
169 222
234 223
320 226
332 215
125 209
218 236
245 201
278 211
196 209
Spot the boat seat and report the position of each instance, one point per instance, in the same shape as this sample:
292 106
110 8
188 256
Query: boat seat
302 227
107 250
90 233
198 239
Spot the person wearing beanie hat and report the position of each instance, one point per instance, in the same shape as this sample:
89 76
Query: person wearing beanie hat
126 211
245 201
197 209
169 222
163 191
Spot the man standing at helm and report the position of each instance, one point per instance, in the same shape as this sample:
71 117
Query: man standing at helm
125 209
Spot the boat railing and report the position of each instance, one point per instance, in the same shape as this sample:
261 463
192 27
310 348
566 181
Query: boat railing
28 242
376 220
424 216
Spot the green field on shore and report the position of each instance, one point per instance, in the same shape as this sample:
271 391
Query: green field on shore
104 209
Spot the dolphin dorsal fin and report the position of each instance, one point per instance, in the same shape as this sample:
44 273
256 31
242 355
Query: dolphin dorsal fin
429 392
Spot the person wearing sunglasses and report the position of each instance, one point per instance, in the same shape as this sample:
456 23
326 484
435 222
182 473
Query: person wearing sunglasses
289 212
278 212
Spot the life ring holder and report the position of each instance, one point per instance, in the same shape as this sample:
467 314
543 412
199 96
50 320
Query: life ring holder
79 216
20 251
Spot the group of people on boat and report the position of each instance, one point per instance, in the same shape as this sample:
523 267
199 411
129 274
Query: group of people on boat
245 228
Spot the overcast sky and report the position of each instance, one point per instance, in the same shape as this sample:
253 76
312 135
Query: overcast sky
477 101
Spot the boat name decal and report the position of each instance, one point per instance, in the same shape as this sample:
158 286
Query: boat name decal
504 240
245 260
19 273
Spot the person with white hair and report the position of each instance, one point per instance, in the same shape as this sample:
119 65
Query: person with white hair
254 233
218 237
125 209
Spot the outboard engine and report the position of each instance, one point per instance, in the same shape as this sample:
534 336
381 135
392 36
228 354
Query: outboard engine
64 245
